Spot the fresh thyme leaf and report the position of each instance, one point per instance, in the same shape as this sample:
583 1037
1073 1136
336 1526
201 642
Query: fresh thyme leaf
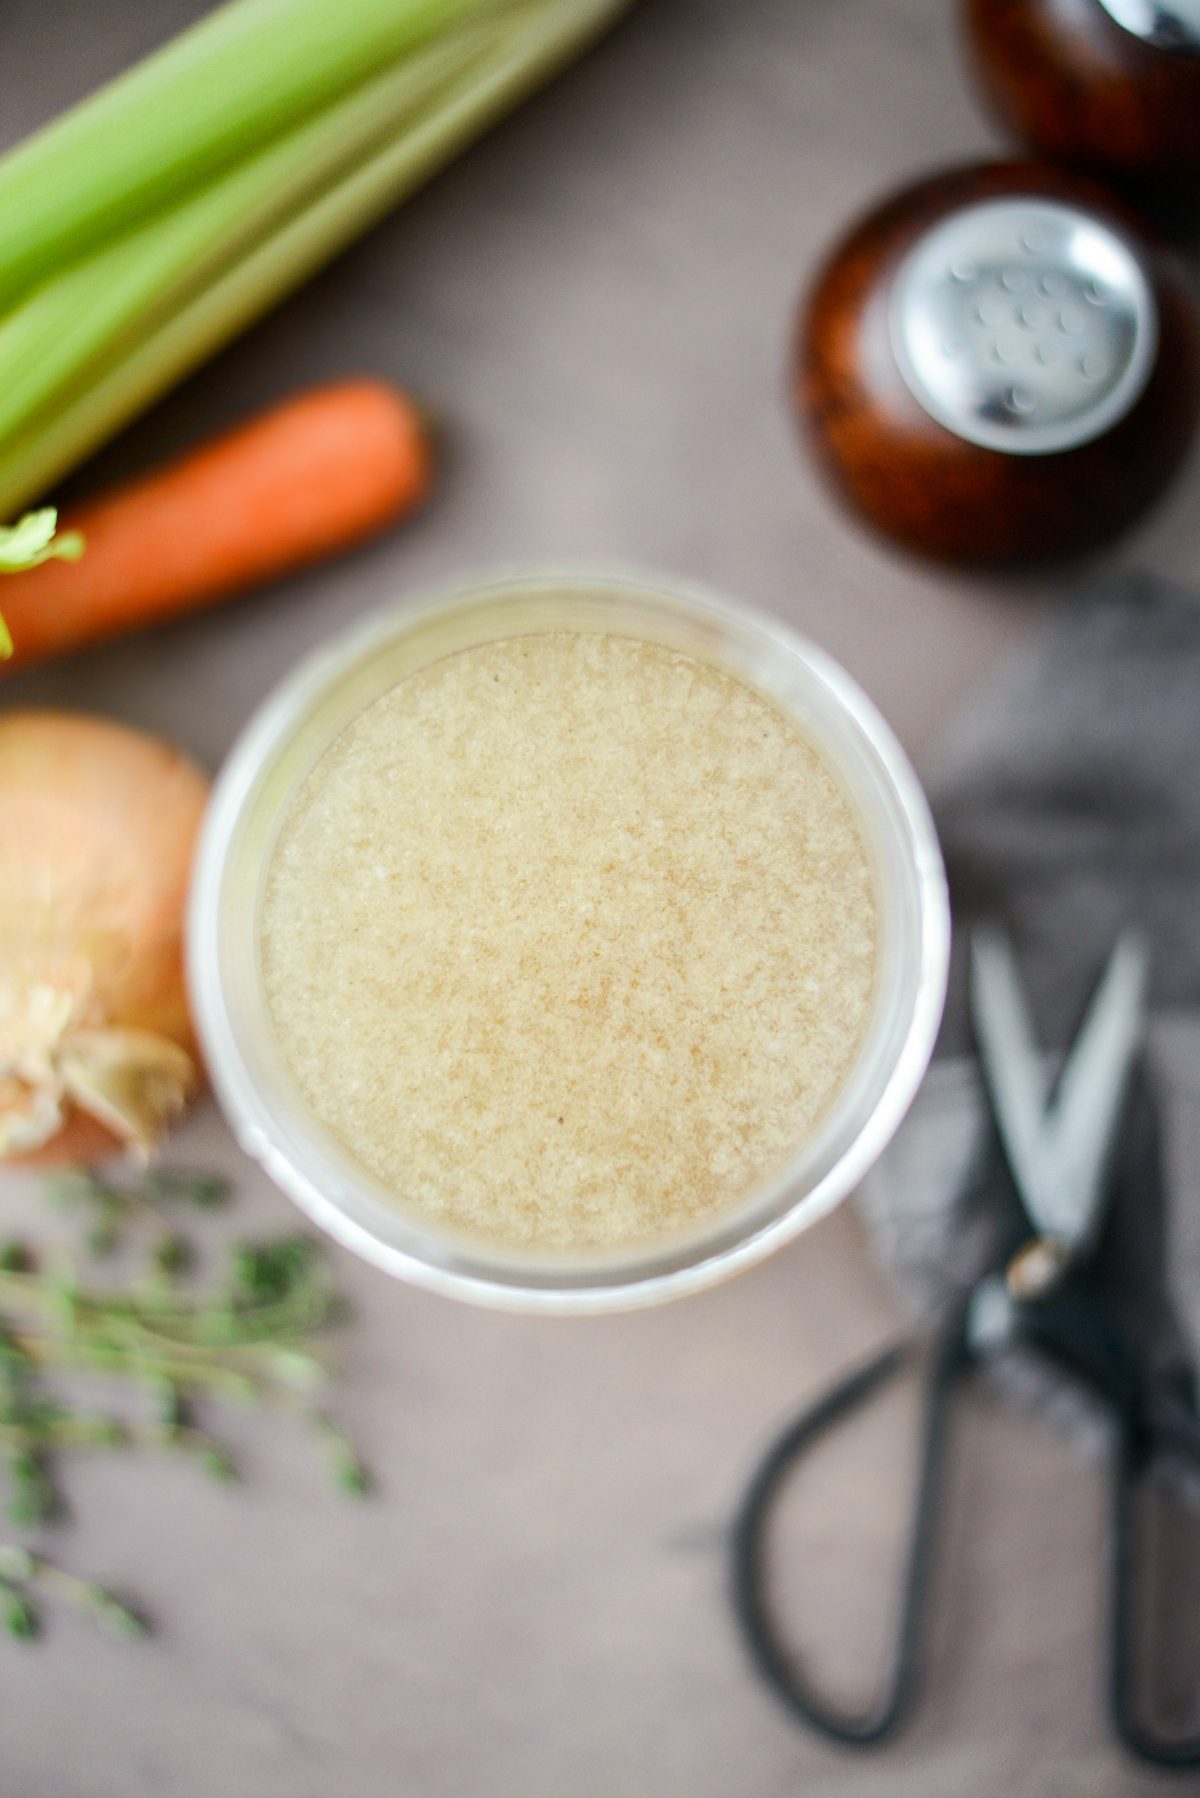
20 1615
32 1494
15 1563
273 1270
347 1470
115 1615
217 1465
353 1478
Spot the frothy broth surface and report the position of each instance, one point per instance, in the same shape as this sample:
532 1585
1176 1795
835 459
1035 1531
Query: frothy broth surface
570 939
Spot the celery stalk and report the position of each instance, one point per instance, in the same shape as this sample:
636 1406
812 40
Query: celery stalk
537 38
81 320
242 76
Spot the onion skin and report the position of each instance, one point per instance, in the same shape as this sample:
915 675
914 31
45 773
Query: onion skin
81 1141
97 827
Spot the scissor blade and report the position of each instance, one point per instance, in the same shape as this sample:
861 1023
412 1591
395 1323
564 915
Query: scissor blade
1082 1122
1014 1071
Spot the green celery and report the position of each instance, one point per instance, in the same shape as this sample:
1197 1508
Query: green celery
80 322
245 74
537 38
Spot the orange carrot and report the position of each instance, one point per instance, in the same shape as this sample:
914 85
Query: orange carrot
300 482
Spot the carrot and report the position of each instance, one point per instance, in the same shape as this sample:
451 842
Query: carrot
300 482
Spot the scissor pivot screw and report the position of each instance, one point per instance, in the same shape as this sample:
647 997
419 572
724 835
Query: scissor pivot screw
1037 1269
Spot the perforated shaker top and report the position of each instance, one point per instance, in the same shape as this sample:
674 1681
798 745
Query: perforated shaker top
1023 325
1167 24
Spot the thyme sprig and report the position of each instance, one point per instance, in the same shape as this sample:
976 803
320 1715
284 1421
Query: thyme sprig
26 1579
247 1338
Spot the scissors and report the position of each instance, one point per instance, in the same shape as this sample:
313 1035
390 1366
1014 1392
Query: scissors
1048 1287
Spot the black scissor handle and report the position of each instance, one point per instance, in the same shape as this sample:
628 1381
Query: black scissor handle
749 1558
1084 1339
1132 1462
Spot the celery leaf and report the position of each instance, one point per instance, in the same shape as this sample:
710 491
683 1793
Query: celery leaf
31 540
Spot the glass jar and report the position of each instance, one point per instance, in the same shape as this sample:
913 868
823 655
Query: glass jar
265 1108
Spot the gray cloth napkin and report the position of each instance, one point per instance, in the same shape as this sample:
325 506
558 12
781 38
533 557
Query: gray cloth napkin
1068 803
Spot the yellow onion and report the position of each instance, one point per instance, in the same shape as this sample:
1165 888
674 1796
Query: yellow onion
97 827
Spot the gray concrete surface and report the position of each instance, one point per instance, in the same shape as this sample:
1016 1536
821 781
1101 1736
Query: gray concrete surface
597 302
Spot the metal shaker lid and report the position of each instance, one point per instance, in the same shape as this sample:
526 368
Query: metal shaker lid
1167 24
1023 325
